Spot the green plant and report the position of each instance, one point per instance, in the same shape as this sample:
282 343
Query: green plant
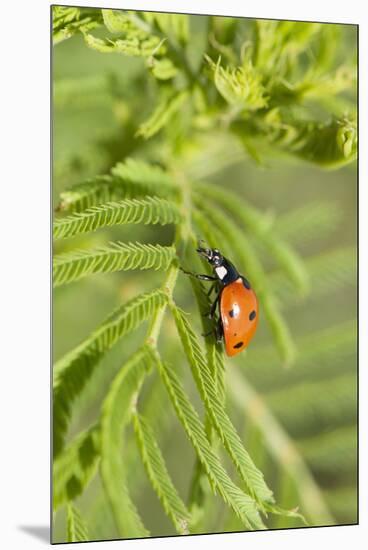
261 88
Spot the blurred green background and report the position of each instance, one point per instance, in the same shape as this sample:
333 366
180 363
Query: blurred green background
312 402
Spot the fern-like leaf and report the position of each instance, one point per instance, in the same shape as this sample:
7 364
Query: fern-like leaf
72 372
91 192
116 413
150 210
129 46
75 467
76 527
242 504
118 21
151 177
162 114
67 21
131 178
240 87
214 351
162 69
329 144
134 35
119 256
253 478
159 476
278 43
175 26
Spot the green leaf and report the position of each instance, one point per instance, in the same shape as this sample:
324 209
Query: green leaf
162 69
214 351
279 43
67 21
136 38
159 476
198 492
241 87
173 25
165 110
243 505
116 414
90 192
252 477
328 144
74 468
149 177
72 372
72 266
130 46
76 527
315 88
117 21
131 178
150 210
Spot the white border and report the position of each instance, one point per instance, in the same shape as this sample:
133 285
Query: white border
25 273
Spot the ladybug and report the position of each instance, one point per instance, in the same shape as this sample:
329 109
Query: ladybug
238 304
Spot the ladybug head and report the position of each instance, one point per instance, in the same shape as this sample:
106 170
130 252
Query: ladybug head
212 255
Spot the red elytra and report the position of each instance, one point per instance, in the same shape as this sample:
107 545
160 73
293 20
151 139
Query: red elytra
239 315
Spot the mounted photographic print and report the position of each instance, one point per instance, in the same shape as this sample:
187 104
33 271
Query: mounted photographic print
204 269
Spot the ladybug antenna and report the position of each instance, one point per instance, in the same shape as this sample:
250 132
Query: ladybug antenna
205 252
201 243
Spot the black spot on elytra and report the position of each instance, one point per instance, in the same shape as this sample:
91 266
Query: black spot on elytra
238 345
252 315
246 283
231 313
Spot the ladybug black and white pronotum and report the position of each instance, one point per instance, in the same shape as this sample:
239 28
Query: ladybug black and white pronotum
238 305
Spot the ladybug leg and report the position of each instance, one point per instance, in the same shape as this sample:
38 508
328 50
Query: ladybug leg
213 307
212 310
212 287
219 331
200 276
